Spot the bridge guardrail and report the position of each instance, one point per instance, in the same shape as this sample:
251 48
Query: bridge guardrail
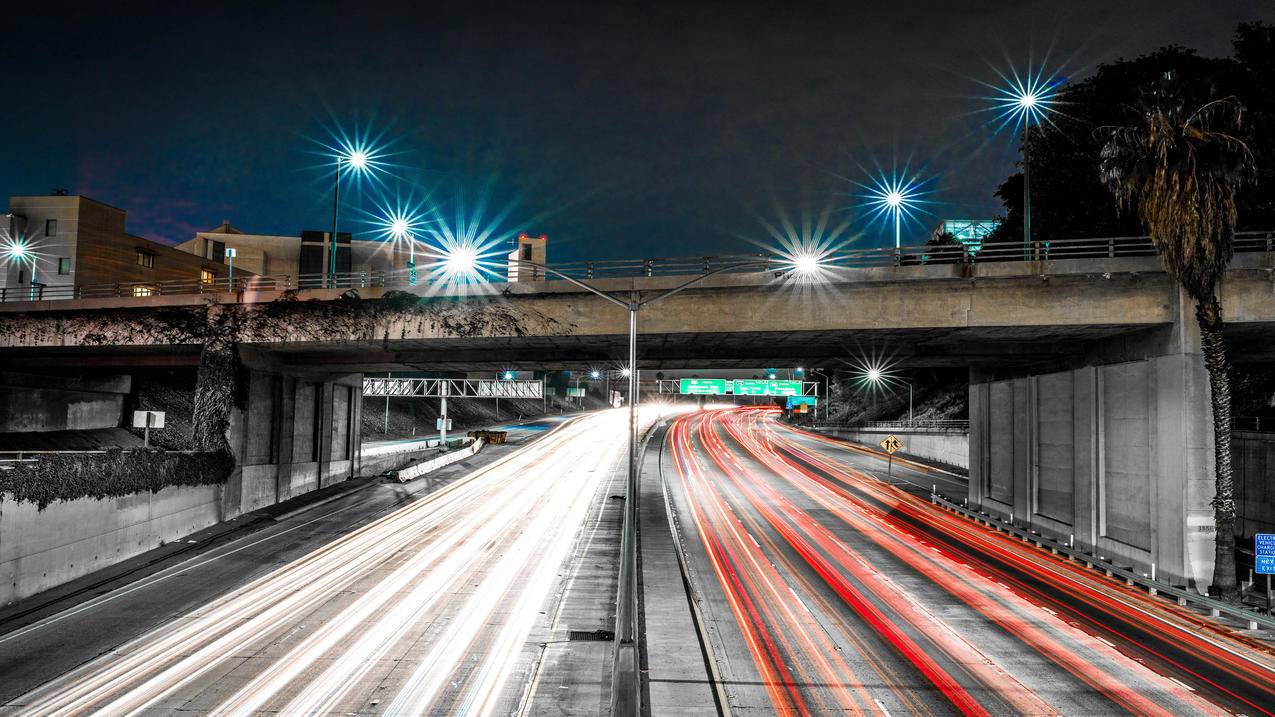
1099 248
1251 618
924 424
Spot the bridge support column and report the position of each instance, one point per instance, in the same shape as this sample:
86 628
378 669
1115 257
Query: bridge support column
1116 454
290 434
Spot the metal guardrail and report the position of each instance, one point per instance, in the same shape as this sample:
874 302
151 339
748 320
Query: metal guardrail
1099 248
924 424
1252 619
30 456
1252 423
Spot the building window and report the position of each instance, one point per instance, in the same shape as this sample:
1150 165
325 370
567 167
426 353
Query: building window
143 291
215 250
64 265
22 276
50 227
206 276
146 259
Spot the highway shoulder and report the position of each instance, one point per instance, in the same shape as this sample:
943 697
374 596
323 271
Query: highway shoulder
676 675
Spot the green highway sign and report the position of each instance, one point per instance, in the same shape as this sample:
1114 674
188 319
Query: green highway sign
762 387
794 401
703 386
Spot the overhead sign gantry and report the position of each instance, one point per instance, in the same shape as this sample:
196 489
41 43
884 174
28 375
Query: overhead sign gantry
742 387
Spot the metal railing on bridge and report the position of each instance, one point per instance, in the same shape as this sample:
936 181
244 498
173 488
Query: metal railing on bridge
948 254
934 425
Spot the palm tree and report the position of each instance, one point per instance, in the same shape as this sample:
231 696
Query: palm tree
1179 169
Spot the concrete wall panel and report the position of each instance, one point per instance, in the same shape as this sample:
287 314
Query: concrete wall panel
1000 424
1126 450
1254 464
1056 452
41 549
952 449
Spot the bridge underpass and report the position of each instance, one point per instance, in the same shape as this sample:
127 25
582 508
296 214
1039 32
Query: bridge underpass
1088 410
1103 334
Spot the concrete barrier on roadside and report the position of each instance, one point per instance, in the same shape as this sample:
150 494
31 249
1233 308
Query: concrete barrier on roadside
433 464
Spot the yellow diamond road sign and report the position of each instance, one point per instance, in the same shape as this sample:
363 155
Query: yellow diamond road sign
891 444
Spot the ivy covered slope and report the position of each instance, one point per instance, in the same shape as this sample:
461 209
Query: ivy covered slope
219 329
113 474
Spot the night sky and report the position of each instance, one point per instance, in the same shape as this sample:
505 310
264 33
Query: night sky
619 131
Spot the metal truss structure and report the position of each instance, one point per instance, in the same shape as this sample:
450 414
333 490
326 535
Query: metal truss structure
674 385
451 388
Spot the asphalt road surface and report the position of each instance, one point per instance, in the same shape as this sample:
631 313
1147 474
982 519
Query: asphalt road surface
827 590
438 602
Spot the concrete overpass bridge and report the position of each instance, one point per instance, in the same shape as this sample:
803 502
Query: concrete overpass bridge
988 313
1088 398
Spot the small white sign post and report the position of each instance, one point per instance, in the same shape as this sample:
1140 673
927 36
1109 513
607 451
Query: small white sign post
230 272
146 420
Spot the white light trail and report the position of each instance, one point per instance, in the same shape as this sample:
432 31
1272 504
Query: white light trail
456 580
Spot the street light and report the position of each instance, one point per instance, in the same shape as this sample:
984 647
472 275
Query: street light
897 195
19 252
398 226
357 160
879 377
1028 99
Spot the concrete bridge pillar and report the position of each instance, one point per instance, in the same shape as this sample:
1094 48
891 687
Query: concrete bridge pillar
1116 453
291 434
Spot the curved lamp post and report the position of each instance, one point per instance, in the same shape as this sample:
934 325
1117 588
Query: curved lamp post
625 693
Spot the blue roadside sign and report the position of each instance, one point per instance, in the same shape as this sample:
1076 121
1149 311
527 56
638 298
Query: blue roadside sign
1264 550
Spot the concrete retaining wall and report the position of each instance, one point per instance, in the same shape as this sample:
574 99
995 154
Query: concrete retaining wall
952 449
1254 465
41 549
30 403
290 435
1117 455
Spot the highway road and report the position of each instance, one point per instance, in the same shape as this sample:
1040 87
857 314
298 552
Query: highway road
441 605
826 590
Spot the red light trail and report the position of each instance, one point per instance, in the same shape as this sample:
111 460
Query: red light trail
850 594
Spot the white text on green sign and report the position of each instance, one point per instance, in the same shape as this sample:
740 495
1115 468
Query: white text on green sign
703 386
762 387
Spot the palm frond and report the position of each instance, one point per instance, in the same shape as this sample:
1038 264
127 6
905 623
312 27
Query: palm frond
1180 169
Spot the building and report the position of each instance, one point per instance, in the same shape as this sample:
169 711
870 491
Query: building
307 256
258 254
72 240
534 249
969 232
304 256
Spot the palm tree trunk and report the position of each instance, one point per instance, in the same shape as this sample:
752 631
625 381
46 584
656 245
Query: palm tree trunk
1209 315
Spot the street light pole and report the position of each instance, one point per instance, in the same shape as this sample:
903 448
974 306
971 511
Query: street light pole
1027 192
625 693
336 199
